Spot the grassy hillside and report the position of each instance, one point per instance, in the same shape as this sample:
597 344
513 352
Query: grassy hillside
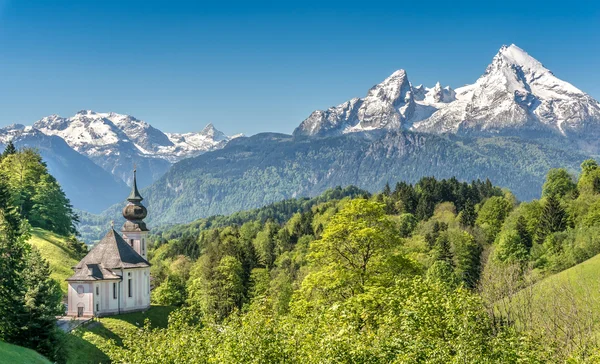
55 249
564 307
18 355
85 345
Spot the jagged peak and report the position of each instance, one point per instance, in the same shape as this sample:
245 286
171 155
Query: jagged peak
512 55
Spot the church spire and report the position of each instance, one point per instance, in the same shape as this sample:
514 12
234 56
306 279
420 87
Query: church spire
134 196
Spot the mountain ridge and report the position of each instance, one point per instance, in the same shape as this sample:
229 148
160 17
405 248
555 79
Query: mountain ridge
516 95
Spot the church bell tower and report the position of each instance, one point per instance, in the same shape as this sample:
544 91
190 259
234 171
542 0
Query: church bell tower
134 229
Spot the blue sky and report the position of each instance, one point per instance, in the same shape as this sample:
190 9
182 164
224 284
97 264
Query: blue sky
264 66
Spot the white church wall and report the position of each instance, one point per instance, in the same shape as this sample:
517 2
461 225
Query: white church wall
80 294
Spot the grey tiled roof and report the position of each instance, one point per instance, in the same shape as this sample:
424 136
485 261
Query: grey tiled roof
112 252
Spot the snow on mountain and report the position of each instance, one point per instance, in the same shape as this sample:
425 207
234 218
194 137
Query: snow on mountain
392 104
516 95
116 142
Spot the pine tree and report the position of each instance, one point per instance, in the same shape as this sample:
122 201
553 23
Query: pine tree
42 302
387 191
442 250
523 233
9 150
468 215
553 218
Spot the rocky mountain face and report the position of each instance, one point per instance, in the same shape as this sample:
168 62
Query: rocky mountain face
516 95
115 143
393 104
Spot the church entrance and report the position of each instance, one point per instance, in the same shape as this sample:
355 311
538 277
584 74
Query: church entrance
79 310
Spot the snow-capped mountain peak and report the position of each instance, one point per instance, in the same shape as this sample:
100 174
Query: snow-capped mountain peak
516 95
117 141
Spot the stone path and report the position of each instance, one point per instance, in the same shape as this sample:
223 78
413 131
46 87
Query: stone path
68 324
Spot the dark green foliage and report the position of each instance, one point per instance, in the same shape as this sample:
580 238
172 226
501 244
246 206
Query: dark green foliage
259 170
468 215
553 219
523 233
442 250
9 150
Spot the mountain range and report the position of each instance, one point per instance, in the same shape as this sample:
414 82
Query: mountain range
516 95
511 125
115 143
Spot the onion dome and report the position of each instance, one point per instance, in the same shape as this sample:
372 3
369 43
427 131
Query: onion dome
134 212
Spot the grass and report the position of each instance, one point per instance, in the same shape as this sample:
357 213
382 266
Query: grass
19 355
85 345
55 250
564 307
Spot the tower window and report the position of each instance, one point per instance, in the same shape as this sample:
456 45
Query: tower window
130 287
97 307
114 291
131 242
97 290
143 246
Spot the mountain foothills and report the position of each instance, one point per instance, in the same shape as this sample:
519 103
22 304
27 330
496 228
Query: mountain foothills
516 95
440 271
115 143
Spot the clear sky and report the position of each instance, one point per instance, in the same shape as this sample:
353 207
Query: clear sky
264 66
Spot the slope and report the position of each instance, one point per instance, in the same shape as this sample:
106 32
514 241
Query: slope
564 306
14 354
55 250
86 344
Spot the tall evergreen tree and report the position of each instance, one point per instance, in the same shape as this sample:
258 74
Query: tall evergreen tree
553 218
523 233
442 250
9 149
468 216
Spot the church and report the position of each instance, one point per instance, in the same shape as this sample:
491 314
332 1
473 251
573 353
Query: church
114 277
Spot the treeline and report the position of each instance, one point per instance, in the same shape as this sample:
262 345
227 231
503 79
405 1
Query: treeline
277 212
29 299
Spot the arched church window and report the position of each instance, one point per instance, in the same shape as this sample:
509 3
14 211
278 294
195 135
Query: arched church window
80 291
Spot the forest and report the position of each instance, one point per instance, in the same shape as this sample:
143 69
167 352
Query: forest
434 272
439 271
30 299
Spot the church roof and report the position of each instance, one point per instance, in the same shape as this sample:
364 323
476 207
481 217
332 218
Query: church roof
112 252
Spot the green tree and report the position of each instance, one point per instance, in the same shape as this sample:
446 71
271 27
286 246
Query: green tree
468 216
558 183
352 251
553 218
492 214
523 232
170 293
9 150
467 257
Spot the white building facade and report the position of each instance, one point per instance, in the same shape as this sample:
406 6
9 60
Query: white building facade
114 277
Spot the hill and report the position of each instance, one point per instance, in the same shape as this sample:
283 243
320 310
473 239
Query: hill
86 344
55 249
14 354
565 307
